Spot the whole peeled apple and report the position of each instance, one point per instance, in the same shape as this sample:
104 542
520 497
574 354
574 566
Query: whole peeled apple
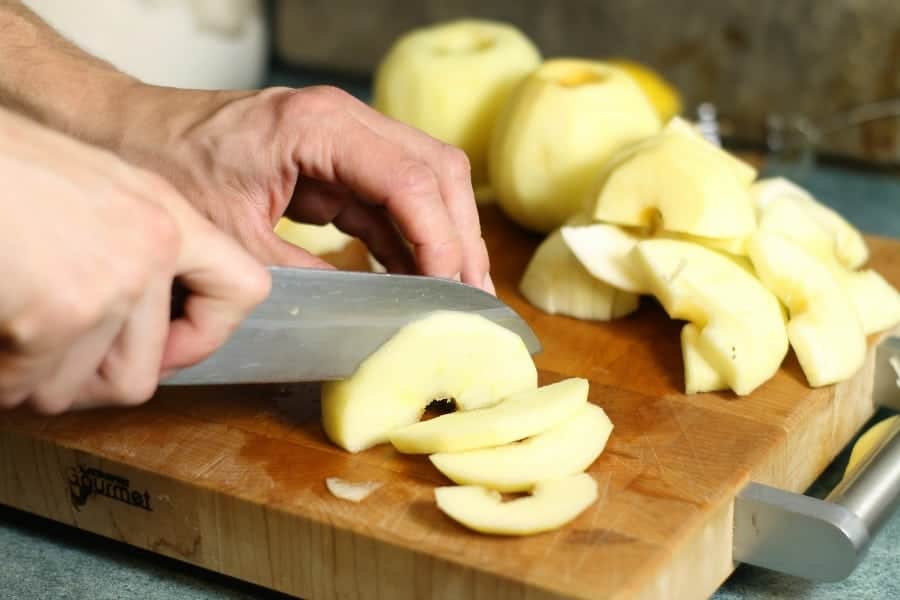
555 134
452 79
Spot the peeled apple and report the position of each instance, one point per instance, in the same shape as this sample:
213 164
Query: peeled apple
452 79
315 239
462 356
556 132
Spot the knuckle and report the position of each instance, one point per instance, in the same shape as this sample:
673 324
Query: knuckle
135 389
319 99
456 163
416 178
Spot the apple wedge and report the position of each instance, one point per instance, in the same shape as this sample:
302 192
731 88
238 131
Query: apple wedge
557 283
516 417
740 326
699 374
315 239
845 240
676 181
824 330
605 251
462 356
562 450
551 505
876 301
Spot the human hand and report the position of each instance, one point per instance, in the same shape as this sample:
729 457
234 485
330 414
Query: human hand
316 155
89 249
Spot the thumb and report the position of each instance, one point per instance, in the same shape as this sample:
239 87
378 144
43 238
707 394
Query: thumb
280 253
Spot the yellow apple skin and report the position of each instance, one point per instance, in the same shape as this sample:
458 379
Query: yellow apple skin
315 239
741 326
556 132
551 505
845 240
516 417
563 450
824 330
677 182
557 283
443 355
662 94
452 79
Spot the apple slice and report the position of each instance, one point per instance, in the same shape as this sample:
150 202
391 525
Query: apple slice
557 283
744 171
845 240
876 301
699 374
605 251
565 449
516 417
680 180
315 239
462 356
551 505
824 329
741 327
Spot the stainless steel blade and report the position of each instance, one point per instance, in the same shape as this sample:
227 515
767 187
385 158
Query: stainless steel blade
318 325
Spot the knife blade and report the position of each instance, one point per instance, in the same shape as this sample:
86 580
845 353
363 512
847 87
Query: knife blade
318 325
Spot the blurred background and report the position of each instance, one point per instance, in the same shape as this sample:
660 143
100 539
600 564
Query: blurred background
782 75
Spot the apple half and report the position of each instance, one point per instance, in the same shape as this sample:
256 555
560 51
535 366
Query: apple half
555 134
551 505
557 283
516 417
562 450
738 325
451 80
456 355
824 330
677 181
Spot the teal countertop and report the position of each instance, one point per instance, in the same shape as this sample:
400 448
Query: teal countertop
42 559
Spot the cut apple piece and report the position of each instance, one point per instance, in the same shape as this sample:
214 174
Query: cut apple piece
516 417
565 449
605 251
846 241
315 239
876 301
699 374
551 505
556 132
462 356
741 327
744 171
678 182
557 283
824 329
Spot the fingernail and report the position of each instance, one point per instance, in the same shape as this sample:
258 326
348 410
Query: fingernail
488 284
456 277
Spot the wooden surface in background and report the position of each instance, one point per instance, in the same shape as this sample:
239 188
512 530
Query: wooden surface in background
232 479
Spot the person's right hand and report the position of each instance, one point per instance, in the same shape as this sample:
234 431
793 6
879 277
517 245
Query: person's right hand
89 249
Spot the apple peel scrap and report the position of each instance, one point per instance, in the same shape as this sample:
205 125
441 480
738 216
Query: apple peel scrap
349 490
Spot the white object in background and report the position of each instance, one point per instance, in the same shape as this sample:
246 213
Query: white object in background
200 44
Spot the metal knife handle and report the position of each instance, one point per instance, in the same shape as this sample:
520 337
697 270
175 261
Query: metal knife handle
824 540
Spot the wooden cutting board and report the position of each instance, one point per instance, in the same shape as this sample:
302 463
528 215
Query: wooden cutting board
232 479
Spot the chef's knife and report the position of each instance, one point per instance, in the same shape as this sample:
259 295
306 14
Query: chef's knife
318 325
824 540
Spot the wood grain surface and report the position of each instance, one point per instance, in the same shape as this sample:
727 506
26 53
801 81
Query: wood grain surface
232 478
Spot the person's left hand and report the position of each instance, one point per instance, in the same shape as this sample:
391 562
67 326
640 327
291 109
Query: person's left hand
316 155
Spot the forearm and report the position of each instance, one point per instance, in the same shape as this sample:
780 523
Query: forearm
49 79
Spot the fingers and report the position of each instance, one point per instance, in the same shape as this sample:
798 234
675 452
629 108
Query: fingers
129 372
406 188
454 181
224 283
374 227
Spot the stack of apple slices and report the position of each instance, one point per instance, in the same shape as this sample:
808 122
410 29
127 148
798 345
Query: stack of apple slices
509 435
680 219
